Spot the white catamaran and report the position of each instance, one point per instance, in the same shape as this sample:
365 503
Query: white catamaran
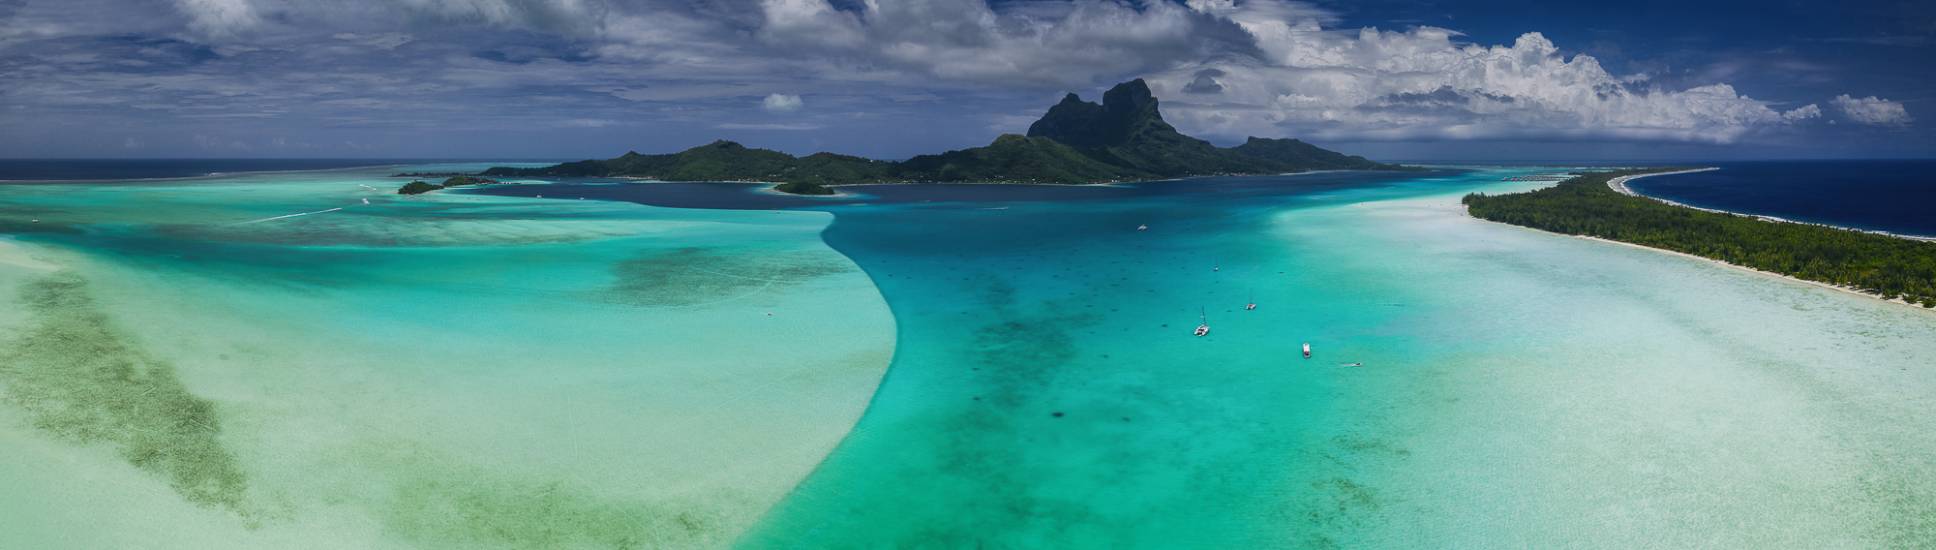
1203 323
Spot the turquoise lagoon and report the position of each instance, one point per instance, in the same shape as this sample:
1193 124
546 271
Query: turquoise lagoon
471 370
441 371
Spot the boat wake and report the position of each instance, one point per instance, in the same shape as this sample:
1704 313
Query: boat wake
285 216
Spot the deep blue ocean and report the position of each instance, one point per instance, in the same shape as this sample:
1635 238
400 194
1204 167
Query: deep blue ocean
128 169
1897 196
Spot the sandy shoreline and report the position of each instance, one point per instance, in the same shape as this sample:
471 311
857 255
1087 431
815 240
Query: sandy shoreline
12 254
1750 270
1713 261
1619 185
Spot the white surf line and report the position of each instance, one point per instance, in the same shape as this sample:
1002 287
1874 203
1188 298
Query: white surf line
284 216
1619 185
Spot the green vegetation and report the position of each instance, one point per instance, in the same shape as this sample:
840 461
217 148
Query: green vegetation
419 187
1123 138
1891 267
1013 158
458 180
1127 129
80 380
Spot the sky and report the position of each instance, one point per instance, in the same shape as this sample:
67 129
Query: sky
1481 80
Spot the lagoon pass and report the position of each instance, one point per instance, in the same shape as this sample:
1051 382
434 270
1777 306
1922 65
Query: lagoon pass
308 360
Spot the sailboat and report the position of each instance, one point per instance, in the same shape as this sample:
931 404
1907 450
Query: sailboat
1253 302
1203 323
1307 350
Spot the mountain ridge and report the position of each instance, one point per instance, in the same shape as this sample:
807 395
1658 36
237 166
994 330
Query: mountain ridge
1122 138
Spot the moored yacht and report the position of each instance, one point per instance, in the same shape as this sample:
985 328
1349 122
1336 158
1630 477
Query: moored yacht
1203 323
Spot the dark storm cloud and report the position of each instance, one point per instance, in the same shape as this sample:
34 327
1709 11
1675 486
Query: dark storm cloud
1205 82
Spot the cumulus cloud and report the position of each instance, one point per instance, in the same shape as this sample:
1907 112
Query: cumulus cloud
781 103
1425 83
1272 67
1066 45
1223 68
219 17
1872 110
387 41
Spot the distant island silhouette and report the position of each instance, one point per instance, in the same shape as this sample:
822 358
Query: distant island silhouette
1124 138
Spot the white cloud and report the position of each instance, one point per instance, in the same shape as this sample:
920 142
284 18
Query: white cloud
1230 68
1425 83
219 18
1804 112
968 41
1872 110
385 41
781 103
1223 69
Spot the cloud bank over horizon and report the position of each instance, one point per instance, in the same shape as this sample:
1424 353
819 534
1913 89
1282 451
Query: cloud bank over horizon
304 78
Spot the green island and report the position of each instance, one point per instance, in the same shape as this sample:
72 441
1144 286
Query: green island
1889 267
419 187
1124 138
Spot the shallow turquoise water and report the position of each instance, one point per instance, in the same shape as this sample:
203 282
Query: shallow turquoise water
469 371
442 371
1519 388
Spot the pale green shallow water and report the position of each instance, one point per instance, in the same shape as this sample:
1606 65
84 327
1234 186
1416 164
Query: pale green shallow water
475 372
442 371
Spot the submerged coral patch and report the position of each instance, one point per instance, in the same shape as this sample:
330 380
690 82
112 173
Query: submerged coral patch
80 380
481 512
697 276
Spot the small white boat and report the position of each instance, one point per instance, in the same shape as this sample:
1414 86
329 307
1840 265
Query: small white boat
1203 323
366 201
1144 227
1307 350
1252 305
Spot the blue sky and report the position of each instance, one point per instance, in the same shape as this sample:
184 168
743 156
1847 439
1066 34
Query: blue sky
1406 80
